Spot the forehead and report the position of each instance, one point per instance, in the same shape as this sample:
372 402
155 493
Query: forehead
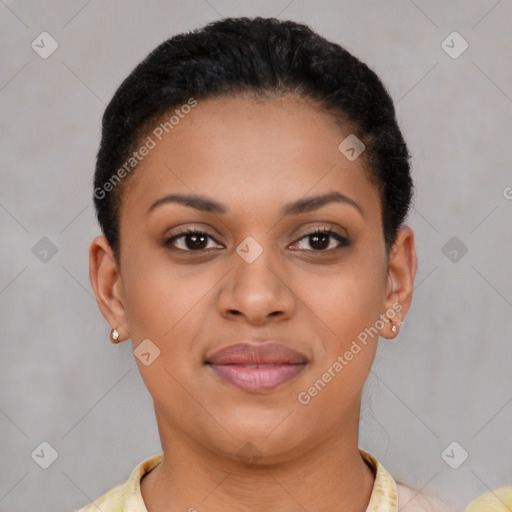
249 152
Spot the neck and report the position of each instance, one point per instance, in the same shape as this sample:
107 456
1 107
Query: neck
329 476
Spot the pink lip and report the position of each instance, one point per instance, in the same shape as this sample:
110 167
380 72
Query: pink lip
257 367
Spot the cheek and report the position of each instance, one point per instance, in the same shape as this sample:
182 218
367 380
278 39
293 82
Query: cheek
162 307
166 304
154 301
145 298
346 301
349 305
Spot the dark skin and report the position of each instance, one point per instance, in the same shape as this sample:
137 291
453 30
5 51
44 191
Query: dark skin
253 157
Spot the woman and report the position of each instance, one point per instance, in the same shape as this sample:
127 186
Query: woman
252 186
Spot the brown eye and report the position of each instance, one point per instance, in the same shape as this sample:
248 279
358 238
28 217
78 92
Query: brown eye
323 240
190 240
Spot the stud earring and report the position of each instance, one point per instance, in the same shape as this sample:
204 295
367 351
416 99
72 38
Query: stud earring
114 336
393 328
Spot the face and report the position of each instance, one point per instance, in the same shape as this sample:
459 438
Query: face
247 257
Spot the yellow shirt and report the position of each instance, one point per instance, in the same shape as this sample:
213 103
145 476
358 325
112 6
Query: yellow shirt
386 495
498 500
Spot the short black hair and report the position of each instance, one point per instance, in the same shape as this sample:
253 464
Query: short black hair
261 56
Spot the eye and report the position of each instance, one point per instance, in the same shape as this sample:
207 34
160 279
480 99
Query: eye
319 240
190 240
322 240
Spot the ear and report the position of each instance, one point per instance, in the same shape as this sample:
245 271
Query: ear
106 283
402 267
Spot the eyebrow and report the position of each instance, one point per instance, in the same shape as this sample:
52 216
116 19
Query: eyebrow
307 204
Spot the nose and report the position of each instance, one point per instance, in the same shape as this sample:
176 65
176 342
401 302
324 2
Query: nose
257 292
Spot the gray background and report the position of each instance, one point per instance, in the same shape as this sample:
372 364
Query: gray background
448 375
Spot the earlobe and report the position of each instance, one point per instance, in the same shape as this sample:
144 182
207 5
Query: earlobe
402 268
105 281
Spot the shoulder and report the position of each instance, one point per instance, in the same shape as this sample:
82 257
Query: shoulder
417 501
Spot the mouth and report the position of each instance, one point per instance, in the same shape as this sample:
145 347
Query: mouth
257 368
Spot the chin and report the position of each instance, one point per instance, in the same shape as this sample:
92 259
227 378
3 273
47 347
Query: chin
259 443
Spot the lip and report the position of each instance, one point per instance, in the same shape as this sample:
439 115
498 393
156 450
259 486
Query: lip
257 368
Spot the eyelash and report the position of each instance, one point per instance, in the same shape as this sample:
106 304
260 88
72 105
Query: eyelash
317 231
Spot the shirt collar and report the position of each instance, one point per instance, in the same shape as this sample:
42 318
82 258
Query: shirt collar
383 497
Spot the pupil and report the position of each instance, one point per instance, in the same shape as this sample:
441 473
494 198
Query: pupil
323 244
197 241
